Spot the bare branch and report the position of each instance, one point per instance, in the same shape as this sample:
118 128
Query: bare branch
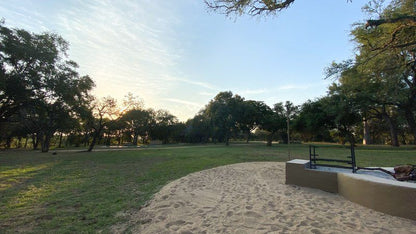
250 7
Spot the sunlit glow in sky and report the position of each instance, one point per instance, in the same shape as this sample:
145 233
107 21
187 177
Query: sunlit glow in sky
176 55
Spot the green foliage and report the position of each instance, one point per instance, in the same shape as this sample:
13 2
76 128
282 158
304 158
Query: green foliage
223 113
167 127
273 121
139 123
380 83
38 84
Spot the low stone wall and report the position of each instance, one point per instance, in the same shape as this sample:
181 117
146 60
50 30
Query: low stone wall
298 174
387 196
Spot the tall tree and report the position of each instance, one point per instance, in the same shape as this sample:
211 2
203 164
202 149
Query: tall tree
37 77
273 121
223 112
250 115
139 122
102 112
165 126
290 111
312 121
198 129
382 77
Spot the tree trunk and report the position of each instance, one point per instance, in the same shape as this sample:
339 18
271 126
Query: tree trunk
86 139
8 142
410 118
35 141
19 142
120 138
288 130
135 139
393 130
26 139
94 139
270 139
227 139
45 141
108 140
248 136
60 140
366 133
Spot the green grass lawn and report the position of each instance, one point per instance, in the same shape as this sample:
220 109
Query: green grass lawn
84 192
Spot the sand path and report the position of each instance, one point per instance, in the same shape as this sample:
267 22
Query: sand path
253 198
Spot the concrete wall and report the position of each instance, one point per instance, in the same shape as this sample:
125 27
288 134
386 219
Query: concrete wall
297 174
387 196
392 198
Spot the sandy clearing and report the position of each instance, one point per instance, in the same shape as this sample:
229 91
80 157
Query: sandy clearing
253 198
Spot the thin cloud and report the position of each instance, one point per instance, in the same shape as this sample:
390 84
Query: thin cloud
254 91
196 83
207 94
130 43
179 101
302 86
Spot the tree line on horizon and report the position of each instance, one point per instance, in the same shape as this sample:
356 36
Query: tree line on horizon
44 100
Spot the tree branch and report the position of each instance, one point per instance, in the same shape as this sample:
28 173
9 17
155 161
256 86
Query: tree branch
376 23
251 7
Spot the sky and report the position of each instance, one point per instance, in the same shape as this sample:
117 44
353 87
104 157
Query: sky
177 55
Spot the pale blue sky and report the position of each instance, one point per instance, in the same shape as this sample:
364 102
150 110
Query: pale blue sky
176 55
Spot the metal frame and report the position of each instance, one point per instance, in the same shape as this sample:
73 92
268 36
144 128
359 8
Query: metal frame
313 160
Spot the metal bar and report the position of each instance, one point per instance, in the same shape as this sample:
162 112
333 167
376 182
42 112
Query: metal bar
310 157
333 160
353 162
329 165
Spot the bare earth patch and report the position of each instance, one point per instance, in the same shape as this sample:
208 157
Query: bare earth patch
253 198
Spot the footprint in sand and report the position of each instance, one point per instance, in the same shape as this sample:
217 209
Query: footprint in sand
284 209
252 214
175 223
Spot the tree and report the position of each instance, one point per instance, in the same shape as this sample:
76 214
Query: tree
101 113
249 116
381 80
198 129
273 121
395 23
139 122
268 7
312 121
222 113
388 50
164 128
131 102
290 111
38 81
342 114
116 128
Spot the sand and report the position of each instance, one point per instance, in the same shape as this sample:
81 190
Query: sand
253 198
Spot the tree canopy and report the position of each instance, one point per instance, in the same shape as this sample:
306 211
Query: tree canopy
38 83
